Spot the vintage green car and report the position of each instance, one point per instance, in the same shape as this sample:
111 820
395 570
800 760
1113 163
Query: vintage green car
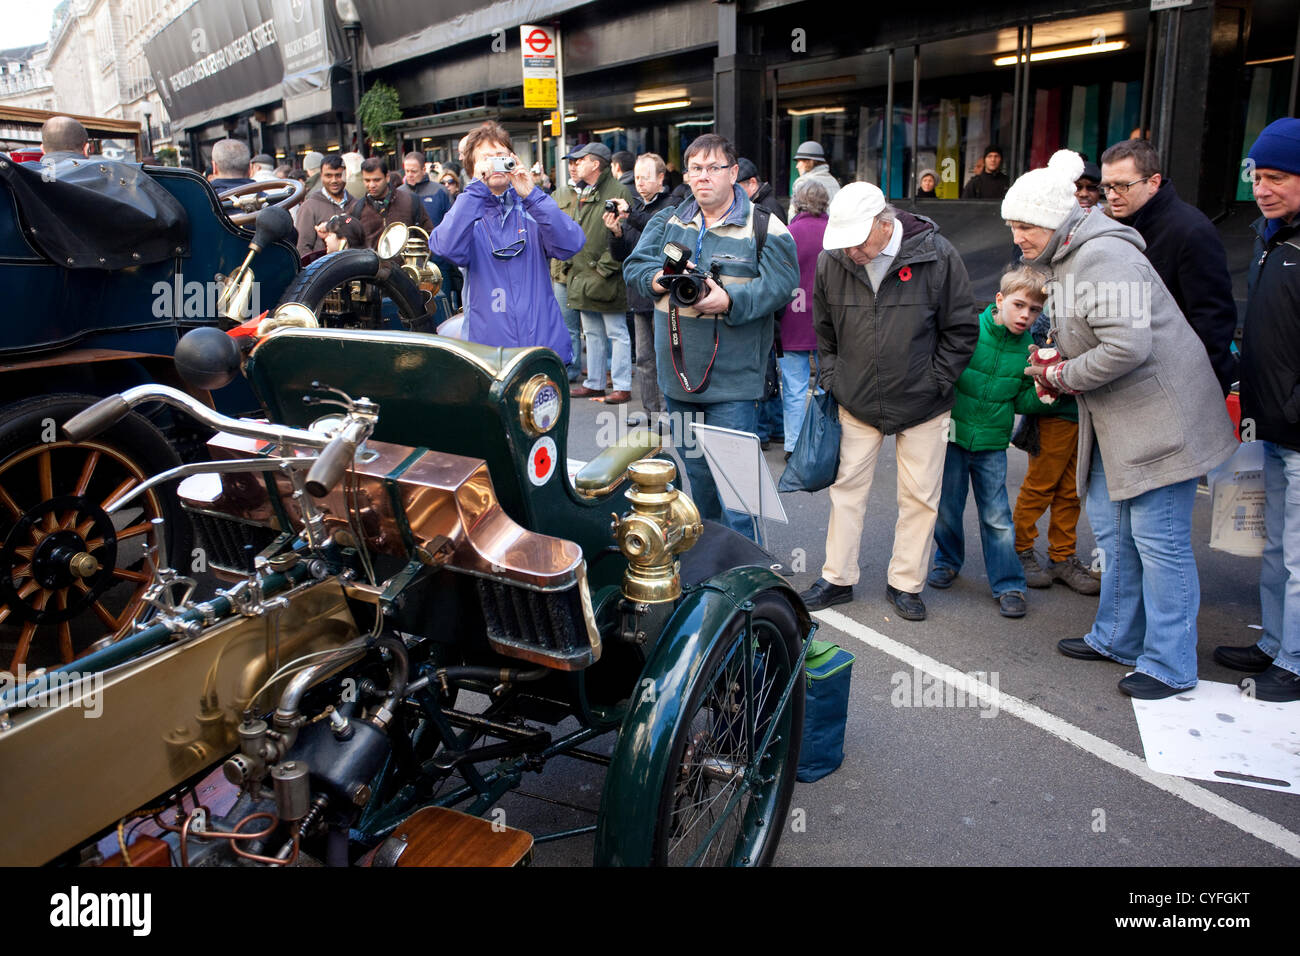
422 593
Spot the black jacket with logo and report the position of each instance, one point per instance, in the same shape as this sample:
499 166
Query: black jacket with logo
1270 342
892 356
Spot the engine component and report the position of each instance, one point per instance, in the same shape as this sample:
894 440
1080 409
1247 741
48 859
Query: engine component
342 769
292 789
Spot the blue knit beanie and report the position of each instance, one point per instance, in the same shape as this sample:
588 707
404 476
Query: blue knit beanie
1278 146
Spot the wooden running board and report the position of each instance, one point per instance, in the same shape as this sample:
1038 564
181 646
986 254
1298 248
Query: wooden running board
436 836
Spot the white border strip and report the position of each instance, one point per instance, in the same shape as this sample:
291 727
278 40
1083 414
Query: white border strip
1246 820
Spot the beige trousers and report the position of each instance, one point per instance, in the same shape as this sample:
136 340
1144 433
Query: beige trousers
921 450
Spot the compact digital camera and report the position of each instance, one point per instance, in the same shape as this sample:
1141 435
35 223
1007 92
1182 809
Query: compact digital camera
685 283
503 164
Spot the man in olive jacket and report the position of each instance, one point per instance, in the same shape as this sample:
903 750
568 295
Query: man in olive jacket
896 326
595 279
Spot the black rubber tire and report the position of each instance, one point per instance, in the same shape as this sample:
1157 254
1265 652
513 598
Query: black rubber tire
329 272
777 636
131 447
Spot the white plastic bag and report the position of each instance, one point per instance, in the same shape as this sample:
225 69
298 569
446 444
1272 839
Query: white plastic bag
1237 494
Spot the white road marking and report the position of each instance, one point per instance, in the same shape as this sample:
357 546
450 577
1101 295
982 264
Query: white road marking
1246 820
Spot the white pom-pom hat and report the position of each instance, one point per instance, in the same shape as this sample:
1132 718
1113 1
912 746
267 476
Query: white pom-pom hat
1044 197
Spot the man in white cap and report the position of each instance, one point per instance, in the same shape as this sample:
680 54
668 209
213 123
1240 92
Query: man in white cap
896 326
810 160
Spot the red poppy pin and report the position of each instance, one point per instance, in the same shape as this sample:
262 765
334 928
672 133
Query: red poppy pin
905 273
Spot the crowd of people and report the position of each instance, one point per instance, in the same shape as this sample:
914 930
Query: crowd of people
1110 342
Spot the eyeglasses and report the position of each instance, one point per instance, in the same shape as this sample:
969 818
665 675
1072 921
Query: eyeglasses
512 250
1121 189
698 172
448 182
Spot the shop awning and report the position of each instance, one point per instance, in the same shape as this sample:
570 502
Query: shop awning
223 57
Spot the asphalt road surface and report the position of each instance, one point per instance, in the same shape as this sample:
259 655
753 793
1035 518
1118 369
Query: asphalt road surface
1055 776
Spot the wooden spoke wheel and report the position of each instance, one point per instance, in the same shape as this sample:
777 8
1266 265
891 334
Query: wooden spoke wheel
71 574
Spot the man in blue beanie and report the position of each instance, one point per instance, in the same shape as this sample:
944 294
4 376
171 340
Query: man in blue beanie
1270 408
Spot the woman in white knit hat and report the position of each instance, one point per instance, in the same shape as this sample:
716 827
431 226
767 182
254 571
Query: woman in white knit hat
1151 421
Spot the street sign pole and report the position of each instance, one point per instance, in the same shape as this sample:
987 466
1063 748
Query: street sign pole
561 169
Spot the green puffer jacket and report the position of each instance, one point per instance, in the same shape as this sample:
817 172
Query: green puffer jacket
994 389
595 277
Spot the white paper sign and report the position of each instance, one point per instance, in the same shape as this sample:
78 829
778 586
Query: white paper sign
739 470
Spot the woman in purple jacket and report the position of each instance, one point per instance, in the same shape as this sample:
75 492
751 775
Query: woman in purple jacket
798 340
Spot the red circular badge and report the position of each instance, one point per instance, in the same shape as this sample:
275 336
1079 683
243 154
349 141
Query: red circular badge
905 273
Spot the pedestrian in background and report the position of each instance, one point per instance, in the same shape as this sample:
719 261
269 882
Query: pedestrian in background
566 198
1087 188
625 233
1151 421
1181 243
989 180
798 339
1270 400
770 412
926 184
595 281
810 161
989 394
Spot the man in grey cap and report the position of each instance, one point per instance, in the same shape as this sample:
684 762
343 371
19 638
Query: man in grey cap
810 160
262 167
311 164
595 279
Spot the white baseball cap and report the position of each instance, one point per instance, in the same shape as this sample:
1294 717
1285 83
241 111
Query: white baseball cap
852 212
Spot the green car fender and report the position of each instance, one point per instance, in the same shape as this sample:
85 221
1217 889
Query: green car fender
634 782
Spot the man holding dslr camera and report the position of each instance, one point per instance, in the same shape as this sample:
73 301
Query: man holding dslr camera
730 268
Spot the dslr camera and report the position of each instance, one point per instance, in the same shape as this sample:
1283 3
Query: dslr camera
685 283
503 164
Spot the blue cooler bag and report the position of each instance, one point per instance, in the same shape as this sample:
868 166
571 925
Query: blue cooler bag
828 670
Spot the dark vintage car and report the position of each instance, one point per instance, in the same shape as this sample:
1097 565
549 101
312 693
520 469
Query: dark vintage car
104 266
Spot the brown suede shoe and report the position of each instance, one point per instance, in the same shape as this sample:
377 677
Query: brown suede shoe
582 391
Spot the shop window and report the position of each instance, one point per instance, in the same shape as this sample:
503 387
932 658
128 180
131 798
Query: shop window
1270 87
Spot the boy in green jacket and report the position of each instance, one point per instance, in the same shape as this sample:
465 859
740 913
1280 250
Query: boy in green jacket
989 394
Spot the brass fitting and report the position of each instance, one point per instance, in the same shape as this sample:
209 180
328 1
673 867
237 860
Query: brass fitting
84 565
662 524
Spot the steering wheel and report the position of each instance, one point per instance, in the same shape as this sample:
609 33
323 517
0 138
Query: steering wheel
295 190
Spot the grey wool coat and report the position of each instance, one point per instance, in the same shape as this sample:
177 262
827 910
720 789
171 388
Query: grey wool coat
1147 392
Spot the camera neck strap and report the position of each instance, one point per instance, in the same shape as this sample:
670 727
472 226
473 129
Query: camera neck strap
679 359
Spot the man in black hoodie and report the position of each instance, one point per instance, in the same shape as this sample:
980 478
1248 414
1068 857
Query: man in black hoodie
1270 409
1182 245
992 183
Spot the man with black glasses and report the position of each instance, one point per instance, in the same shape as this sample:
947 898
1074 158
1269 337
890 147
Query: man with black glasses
502 232
1182 246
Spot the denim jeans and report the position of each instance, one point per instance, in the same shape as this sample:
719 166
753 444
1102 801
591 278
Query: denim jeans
794 393
1150 594
600 329
573 322
743 417
986 472
1279 572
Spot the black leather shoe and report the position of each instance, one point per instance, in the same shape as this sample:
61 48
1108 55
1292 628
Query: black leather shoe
1146 687
1078 648
823 594
1012 604
1275 684
910 606
941 577
1249 659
